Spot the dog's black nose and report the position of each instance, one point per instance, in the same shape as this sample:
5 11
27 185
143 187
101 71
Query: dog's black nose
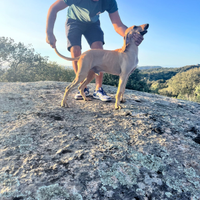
146 26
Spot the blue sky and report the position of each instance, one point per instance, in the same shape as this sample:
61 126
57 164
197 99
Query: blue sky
173 39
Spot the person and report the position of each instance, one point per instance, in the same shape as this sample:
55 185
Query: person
83 19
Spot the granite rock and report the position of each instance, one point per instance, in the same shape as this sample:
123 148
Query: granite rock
148 150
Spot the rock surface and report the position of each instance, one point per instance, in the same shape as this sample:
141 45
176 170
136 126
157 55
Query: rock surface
148 150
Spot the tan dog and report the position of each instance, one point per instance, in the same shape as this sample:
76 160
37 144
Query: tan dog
120 62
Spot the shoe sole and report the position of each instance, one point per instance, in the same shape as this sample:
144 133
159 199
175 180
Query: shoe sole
80 97
105 100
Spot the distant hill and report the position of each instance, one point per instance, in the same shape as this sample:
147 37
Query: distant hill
182 82
188 67
155 74
149 67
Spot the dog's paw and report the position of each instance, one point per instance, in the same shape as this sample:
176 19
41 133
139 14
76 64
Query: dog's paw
87 99
122 100
64 104
118 107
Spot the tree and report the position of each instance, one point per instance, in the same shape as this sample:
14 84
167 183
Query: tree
155 86
20 61
197 92
134 82
183 84
109 79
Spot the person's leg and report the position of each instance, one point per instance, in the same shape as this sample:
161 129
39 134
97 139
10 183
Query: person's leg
95 38
75 52
74 31
99 79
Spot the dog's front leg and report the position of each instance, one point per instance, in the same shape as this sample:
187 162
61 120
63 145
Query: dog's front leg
64 100
120 91
122 100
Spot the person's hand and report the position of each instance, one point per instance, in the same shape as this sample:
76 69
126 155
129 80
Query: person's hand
50 39
138 38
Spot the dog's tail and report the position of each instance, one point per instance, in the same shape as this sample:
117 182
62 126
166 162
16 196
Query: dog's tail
66 58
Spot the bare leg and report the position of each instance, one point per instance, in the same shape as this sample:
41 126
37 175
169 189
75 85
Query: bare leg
75 52
99 79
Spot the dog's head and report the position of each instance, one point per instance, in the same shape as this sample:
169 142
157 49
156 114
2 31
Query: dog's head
130 31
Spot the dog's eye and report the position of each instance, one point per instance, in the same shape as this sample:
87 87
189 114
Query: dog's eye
135 27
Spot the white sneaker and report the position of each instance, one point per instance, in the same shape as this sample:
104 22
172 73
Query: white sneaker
101 95
78 95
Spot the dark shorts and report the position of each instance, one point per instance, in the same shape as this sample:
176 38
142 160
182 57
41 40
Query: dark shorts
75 29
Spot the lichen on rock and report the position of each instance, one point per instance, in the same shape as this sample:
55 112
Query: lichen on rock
120 173
52 192
8 185
148 150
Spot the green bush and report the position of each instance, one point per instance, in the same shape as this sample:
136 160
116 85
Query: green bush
134 82
20 63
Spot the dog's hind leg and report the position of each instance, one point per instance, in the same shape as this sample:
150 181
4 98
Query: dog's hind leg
74 83
81 88
120 91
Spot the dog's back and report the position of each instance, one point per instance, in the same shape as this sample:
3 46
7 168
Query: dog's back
101 61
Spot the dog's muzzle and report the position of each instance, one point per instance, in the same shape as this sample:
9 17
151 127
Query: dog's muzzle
144 27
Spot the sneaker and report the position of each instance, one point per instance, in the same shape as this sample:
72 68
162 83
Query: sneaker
78 95
101 94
